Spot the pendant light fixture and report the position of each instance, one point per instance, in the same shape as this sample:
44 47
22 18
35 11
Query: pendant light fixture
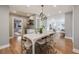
42 15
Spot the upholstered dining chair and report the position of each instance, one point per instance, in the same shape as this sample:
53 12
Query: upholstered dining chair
44 46
48 38
26 46
41 46
51 35
51 45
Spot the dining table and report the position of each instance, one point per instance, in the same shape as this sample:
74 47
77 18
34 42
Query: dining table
36 36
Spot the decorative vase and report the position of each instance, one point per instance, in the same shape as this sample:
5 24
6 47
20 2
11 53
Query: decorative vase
41 30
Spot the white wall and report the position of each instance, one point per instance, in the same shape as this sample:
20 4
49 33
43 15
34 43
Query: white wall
4 25
76 27
68 24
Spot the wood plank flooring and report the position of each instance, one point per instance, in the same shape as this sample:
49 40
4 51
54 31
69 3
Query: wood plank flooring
6 51
16 49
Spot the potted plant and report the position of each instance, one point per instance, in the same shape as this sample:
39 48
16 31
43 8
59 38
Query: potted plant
41 30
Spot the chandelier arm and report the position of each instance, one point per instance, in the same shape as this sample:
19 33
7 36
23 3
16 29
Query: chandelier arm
42 15
42 7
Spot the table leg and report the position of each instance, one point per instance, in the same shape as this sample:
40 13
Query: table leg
33 48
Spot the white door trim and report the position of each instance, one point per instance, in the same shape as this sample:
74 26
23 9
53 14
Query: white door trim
18 18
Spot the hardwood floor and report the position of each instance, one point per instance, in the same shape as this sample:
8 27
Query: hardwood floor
65 46
6 51
15 48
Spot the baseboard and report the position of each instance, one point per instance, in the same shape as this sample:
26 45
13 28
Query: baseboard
76 50
4 46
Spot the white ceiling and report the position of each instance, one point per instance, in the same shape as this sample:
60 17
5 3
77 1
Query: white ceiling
49 10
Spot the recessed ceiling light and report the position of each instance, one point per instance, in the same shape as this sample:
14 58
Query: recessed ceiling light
54 5
60 11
